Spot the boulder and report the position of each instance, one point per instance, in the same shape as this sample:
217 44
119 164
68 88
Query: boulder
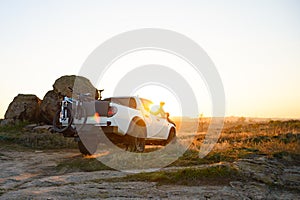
78 83
52 99
49 106
24 107
31 108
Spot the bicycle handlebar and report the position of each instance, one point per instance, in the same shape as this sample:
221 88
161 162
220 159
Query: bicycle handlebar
87 94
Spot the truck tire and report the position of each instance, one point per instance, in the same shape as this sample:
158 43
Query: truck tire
136 137
171 137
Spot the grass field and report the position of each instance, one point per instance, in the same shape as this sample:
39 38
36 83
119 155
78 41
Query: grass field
239 139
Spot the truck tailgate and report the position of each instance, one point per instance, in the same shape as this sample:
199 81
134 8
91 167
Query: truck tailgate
101 107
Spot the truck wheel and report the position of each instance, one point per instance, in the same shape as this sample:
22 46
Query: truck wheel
171 137
86 151
137 136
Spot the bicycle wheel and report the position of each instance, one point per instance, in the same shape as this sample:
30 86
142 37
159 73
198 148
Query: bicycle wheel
59 126
80 118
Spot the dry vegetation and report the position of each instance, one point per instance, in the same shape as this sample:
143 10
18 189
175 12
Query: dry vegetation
242 139
212 175
18 134
239 139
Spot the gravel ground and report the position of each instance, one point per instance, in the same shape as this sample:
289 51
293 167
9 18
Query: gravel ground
29 174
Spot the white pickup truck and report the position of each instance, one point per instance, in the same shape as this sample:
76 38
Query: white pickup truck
127 120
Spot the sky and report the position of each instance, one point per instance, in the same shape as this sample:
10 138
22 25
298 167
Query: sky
254 44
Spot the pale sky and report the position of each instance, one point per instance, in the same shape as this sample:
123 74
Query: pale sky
255 45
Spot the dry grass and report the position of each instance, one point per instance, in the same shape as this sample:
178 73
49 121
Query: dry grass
17 134
79 163
239 139
280 139
213 175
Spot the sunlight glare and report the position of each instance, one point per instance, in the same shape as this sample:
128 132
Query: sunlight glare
156 94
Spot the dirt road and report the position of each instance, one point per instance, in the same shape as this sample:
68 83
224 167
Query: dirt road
29 174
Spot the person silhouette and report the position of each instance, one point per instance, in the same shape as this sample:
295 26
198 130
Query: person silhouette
159 110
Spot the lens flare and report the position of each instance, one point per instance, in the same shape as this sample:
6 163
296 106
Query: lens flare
97 117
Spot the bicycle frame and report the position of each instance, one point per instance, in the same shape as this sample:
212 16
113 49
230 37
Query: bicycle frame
66 101
72 112
64 104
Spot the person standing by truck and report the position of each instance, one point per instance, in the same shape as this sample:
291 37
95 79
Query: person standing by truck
158 110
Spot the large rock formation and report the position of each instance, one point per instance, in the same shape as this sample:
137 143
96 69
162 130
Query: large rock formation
49 106
78 83
31 108
52 99
24 107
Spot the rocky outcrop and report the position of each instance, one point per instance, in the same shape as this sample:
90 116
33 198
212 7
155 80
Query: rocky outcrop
31 108
35 175
49 106
24 107
78 83
270 172
52 99
261 169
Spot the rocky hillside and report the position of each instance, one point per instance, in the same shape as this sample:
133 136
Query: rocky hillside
28 107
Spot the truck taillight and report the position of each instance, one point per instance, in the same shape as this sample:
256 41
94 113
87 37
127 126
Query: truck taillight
111 111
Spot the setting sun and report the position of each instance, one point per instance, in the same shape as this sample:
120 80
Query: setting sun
158 94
